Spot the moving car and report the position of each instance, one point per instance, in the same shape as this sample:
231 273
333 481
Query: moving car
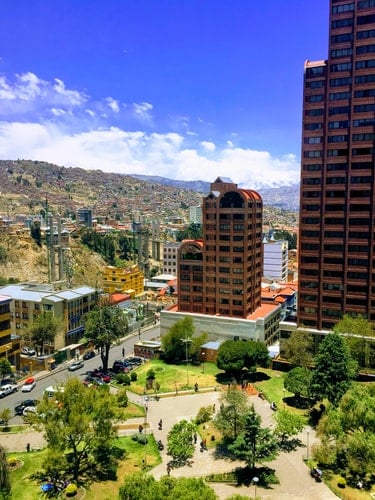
7 389
28 385
76 365
26 403
89 355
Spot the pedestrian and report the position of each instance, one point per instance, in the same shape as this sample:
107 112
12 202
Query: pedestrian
195 438
160 424
28 447
140 428
168 470
123 352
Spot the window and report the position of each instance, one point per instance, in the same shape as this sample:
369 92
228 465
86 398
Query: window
315 84
365 4
365 79
338 124
342 23
314 98
347 7
368 63
365 49
370 19
312 154
338 110
313 126
363 137
313 140
336 180
314 71
364 122
315 167
346 37
337 166
341 67
337 138
311 181
339 82
363 35
314 112
337 96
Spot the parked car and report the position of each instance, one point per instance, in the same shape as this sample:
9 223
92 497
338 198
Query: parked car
89 355
7 389
122 366
28 351
316 474
26 403
28 385
28 409
76 365
135 360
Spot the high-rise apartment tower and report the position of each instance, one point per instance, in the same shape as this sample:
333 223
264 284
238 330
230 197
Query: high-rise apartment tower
221 274
337 243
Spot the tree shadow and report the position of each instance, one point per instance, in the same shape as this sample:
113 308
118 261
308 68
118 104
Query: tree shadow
265 475
288 445
298 402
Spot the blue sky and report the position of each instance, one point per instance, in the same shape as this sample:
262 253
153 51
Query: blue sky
186 89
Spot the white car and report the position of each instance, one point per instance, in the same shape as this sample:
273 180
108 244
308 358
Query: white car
7 389
28 385
28 351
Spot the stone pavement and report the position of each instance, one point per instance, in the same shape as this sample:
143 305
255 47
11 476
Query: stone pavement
295 480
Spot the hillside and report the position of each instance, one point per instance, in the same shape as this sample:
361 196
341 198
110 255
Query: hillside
25 261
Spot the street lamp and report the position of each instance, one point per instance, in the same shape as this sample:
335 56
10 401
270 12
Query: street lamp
203 357
186 341
145 403
284 397
307 444
255 481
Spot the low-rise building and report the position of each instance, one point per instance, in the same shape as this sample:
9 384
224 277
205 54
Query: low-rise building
128 280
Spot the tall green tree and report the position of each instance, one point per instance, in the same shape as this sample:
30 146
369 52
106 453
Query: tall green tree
298 348
334 369
291 238
177 341
105 325
256 355
231 356
359 334
5 367
180 440
5 488
230 418
298 381
287 424
43 330
77 423
125 247
347 433
254 444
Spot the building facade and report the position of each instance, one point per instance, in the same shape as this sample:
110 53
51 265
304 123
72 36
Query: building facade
129 280
170 252
275 260
337 203
221 274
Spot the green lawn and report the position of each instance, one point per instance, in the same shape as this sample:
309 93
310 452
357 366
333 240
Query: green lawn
174 378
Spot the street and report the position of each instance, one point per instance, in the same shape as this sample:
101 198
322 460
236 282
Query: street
61 374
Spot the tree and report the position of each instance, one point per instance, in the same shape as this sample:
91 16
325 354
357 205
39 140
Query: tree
43 329
5 367
347 433
36 233
180 440
256 355
143 487
298 348
105 324
77 424
231 356
291 238
298 381
192 232
254 444
176 341
229 419
125 247
360 336
5 488
334 369
5 416
287 424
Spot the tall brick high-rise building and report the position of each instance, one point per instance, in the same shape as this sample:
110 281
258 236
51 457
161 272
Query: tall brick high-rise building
337 230
221 274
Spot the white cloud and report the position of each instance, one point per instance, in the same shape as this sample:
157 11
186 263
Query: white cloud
113 104
208 146
143 110
116 150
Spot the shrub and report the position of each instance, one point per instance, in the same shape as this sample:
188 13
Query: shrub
150 374
122 398
12 461
123 378
341 482
204 415
133 376
71 490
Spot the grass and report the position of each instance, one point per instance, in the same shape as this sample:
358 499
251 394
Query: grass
174 378
14 429
133 411
28 489
346 493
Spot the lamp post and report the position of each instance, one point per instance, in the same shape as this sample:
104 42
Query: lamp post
203 358
186 341
145 426
255 481
307 444
284 397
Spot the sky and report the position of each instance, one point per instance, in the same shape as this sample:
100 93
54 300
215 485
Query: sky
184 89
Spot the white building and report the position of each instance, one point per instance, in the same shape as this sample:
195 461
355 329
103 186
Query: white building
170 251
195 214
275 260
